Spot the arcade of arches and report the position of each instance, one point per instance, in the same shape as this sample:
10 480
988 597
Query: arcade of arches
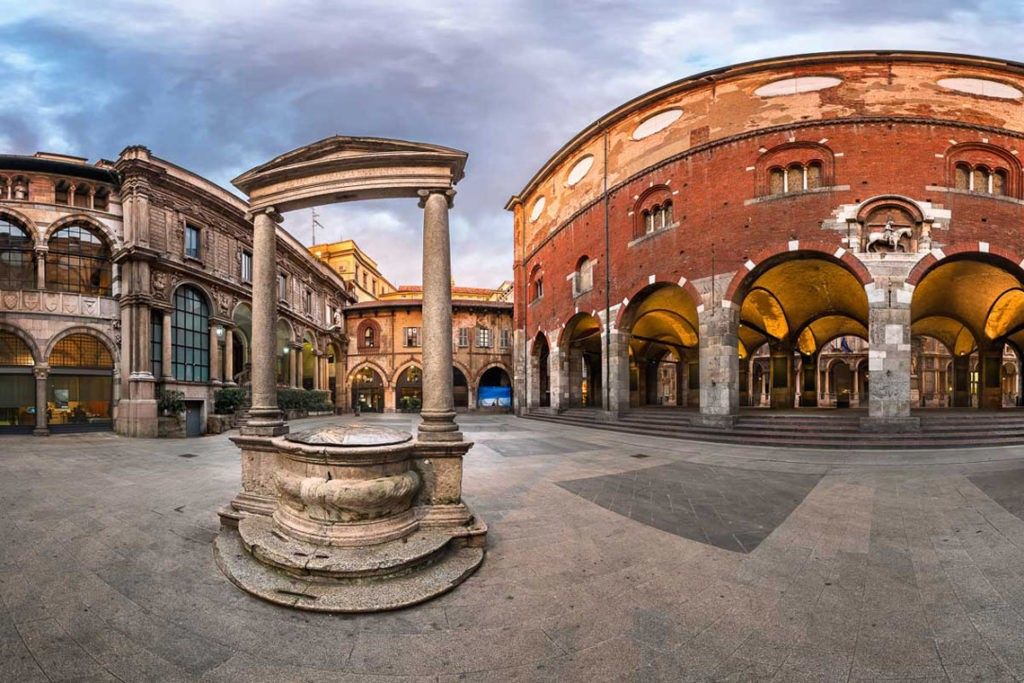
803 325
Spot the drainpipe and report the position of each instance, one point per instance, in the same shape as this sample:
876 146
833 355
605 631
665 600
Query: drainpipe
607 286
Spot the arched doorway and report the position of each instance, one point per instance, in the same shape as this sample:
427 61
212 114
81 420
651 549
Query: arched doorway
17 385
540 375
661 320
308 363
973 306
495 389
368 390
240 343
80 389
582 366
795 304
460 389
409 389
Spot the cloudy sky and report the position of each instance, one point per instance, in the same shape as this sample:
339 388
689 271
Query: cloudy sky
219 87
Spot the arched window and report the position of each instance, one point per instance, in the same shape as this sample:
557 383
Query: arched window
536 284
78 261
17 386
584 276
81 198
776 181
16 270
979 180
61 192
81 351
648 222
814 175
190 336
999 182
19 188
367 335
962 177
795 178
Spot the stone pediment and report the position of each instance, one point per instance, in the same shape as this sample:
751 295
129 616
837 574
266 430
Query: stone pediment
344 168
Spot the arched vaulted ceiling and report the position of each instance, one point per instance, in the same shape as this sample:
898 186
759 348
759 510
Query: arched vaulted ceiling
661 315
802 301
968 301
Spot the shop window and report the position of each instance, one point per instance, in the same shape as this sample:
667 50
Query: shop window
17 384
80 385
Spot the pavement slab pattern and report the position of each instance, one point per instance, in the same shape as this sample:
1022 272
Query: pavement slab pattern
867 566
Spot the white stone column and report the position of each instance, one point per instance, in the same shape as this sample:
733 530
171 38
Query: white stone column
719 365
264 416
41 372
438 411
558 379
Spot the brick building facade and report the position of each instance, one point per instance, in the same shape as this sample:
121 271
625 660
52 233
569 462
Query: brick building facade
779 205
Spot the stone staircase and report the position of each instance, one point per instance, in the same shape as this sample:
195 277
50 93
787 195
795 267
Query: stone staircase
812 429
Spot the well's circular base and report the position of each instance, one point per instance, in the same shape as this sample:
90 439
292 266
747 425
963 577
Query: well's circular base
367 594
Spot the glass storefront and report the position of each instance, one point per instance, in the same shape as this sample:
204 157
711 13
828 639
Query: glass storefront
80 389
17 384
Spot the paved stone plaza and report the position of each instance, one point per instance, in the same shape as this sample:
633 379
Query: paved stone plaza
610 557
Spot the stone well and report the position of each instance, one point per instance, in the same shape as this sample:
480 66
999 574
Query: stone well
365 519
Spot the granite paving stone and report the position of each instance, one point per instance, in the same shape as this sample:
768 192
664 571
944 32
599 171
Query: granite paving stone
699 562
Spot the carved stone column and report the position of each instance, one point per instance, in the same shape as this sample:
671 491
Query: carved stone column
41 372
229 356
438 411
41 267
214 354
264 416
719 365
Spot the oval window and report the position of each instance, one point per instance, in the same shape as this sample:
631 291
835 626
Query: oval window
982 86
656 123
799 84
580 170
538 207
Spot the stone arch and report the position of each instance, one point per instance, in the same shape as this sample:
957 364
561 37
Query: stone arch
112 239
210 301
21 220
402 368
970 151
376 367
364 324
33 347
100 335
621 316
488 366
981 250
764 260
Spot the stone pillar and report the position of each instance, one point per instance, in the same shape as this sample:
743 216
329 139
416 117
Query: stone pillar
558 380
574 376
719 364
166 346
990 386
780 364
316 370
617 373
214 355
962 381
855 389
522 374
889 361
42 373
41 267
229 356
296 367
808 381
264 416
438 411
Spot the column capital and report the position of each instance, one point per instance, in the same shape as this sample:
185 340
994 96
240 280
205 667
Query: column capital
41 370
270 211
448 193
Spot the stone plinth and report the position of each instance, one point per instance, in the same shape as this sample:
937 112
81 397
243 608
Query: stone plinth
363 519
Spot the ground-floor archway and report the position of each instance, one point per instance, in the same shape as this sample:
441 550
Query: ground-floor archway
80 387
540 373
494 389
581 369
367 390
409 389
460 389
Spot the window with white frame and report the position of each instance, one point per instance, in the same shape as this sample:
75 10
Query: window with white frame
463 337
483 337
191 241
412 337
506 339
246 266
